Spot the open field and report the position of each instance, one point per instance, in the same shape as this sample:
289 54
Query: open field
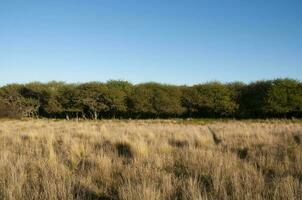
134 160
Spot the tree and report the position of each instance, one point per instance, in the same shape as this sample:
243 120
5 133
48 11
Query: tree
117 94
235 89
156 100
140 101
253 99
47 95
191 101
93 98
284 98
16 105
70 102
167 101
211 100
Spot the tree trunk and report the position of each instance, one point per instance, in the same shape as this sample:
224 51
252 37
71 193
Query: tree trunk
95 115
83 115
67 116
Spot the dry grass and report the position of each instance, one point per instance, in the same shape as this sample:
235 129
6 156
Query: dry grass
45 159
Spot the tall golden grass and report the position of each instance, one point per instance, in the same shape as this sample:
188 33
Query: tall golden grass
135 160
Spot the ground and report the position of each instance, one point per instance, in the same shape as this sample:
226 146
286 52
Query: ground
153 159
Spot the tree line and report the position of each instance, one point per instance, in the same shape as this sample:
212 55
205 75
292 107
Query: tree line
279 98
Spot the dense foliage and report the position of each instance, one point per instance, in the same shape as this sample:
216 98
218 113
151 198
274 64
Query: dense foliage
121 99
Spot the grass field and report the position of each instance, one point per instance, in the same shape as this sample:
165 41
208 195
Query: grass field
134 160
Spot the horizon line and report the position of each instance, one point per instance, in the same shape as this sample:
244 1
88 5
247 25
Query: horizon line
146 82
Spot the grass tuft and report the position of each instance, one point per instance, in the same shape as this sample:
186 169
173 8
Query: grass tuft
150 160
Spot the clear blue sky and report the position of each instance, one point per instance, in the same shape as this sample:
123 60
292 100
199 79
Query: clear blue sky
169 41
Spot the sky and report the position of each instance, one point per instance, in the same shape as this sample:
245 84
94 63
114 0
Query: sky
167 41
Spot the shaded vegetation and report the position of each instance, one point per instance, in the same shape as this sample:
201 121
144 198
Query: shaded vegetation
280 98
